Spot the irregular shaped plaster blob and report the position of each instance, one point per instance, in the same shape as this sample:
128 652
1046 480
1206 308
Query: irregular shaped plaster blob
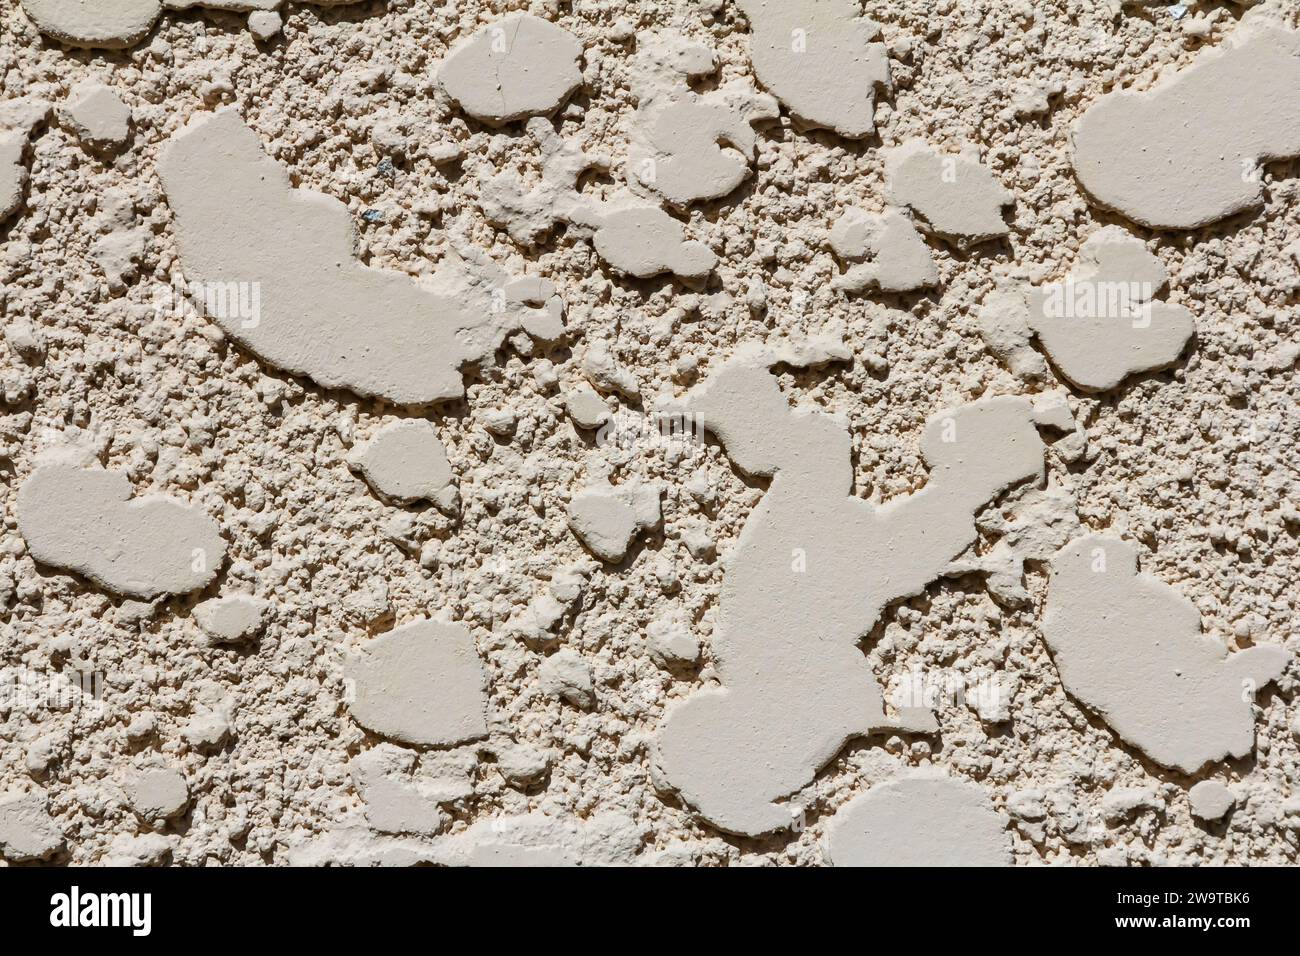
795 687
587 409
1100 325
522 766
84 520
687 146
404 462
232 619
106 24
319 311
634 237
1186 152
644 241
529 213
900 259
1210 800
122 238
604 371
96 116
265 24
956 196
19 118
817 57
519 66
1130 648
13 173
396 800
922 820
606 519
26 830
421 683
1004 325
158 793
606 838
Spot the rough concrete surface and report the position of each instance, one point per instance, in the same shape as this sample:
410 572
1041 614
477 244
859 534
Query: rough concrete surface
649 432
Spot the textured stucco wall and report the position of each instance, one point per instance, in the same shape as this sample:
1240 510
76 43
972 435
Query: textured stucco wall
672 433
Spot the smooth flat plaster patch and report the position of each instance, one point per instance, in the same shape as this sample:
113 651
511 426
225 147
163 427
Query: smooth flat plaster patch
421 683
26 830
97 116
587 409
607 518
1186 152
404 462
686 146
519 66
13 173
396 800
644 241
321 312
107 24
85 520
900 261
1210 800
923 820
957 197
117 24
158 793
231 619
1100 325
1130 648
19 118
817 58
265 24
795 687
